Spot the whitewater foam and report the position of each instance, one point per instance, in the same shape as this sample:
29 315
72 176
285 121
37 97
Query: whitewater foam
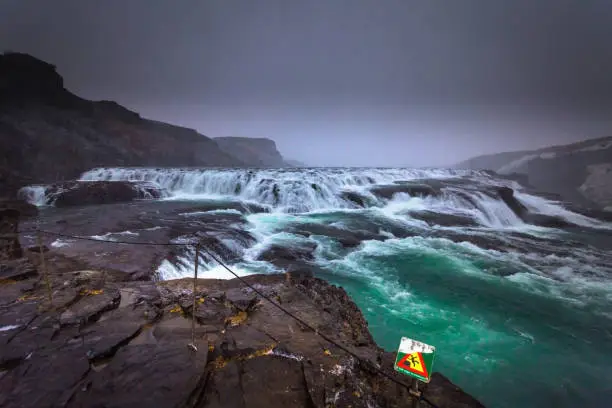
323 191
548 207
285 190
34 195
109 236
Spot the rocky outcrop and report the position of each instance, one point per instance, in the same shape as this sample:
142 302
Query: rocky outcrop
578 173
346 238
295 163
284 257
79 193
141 221
255 152
49 134
597 186
102 341
506 194
413 189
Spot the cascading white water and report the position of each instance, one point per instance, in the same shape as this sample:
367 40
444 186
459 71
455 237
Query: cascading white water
494 212
323 189
33 195
284 190
547 207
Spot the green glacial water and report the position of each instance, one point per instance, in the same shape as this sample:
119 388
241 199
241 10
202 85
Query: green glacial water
512 341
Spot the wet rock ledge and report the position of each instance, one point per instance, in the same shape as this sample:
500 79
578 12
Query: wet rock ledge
75 335
109 342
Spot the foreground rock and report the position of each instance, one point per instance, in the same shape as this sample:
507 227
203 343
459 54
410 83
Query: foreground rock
107 342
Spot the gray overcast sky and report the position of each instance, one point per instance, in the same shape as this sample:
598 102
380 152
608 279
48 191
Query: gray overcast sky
333 82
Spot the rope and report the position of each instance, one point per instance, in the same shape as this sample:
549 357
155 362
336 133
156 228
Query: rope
316 331
59 234
281 308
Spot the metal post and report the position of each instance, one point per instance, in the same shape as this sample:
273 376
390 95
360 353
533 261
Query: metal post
193 310
11 249
43 266
414 391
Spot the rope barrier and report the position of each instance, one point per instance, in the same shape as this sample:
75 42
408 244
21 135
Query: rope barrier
316 331
58 234
244 282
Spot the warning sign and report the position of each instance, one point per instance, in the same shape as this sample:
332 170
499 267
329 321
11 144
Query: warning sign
415 359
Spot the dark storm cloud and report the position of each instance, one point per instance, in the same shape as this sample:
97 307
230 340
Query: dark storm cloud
391 82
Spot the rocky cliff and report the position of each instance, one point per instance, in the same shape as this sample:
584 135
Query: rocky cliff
580 173
47 133
72 336
255 152
295 163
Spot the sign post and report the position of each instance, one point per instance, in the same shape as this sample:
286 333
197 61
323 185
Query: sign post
415 359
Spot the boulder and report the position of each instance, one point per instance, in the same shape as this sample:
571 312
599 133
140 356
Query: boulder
348 239
442 219
506 194
80 193
354 198
283 256
412 189
548 221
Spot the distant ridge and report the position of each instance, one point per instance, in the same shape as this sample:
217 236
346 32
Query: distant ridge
579 172
48 133
256 152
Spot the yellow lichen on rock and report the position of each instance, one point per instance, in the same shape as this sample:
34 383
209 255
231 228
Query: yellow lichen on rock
258 353
91 292
27 297
237 319
219 363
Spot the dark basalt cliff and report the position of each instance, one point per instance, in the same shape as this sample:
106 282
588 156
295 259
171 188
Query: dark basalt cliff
47 133
255 152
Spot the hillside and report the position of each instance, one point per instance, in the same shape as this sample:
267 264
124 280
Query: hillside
295 163
579 172
256 152
48 133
